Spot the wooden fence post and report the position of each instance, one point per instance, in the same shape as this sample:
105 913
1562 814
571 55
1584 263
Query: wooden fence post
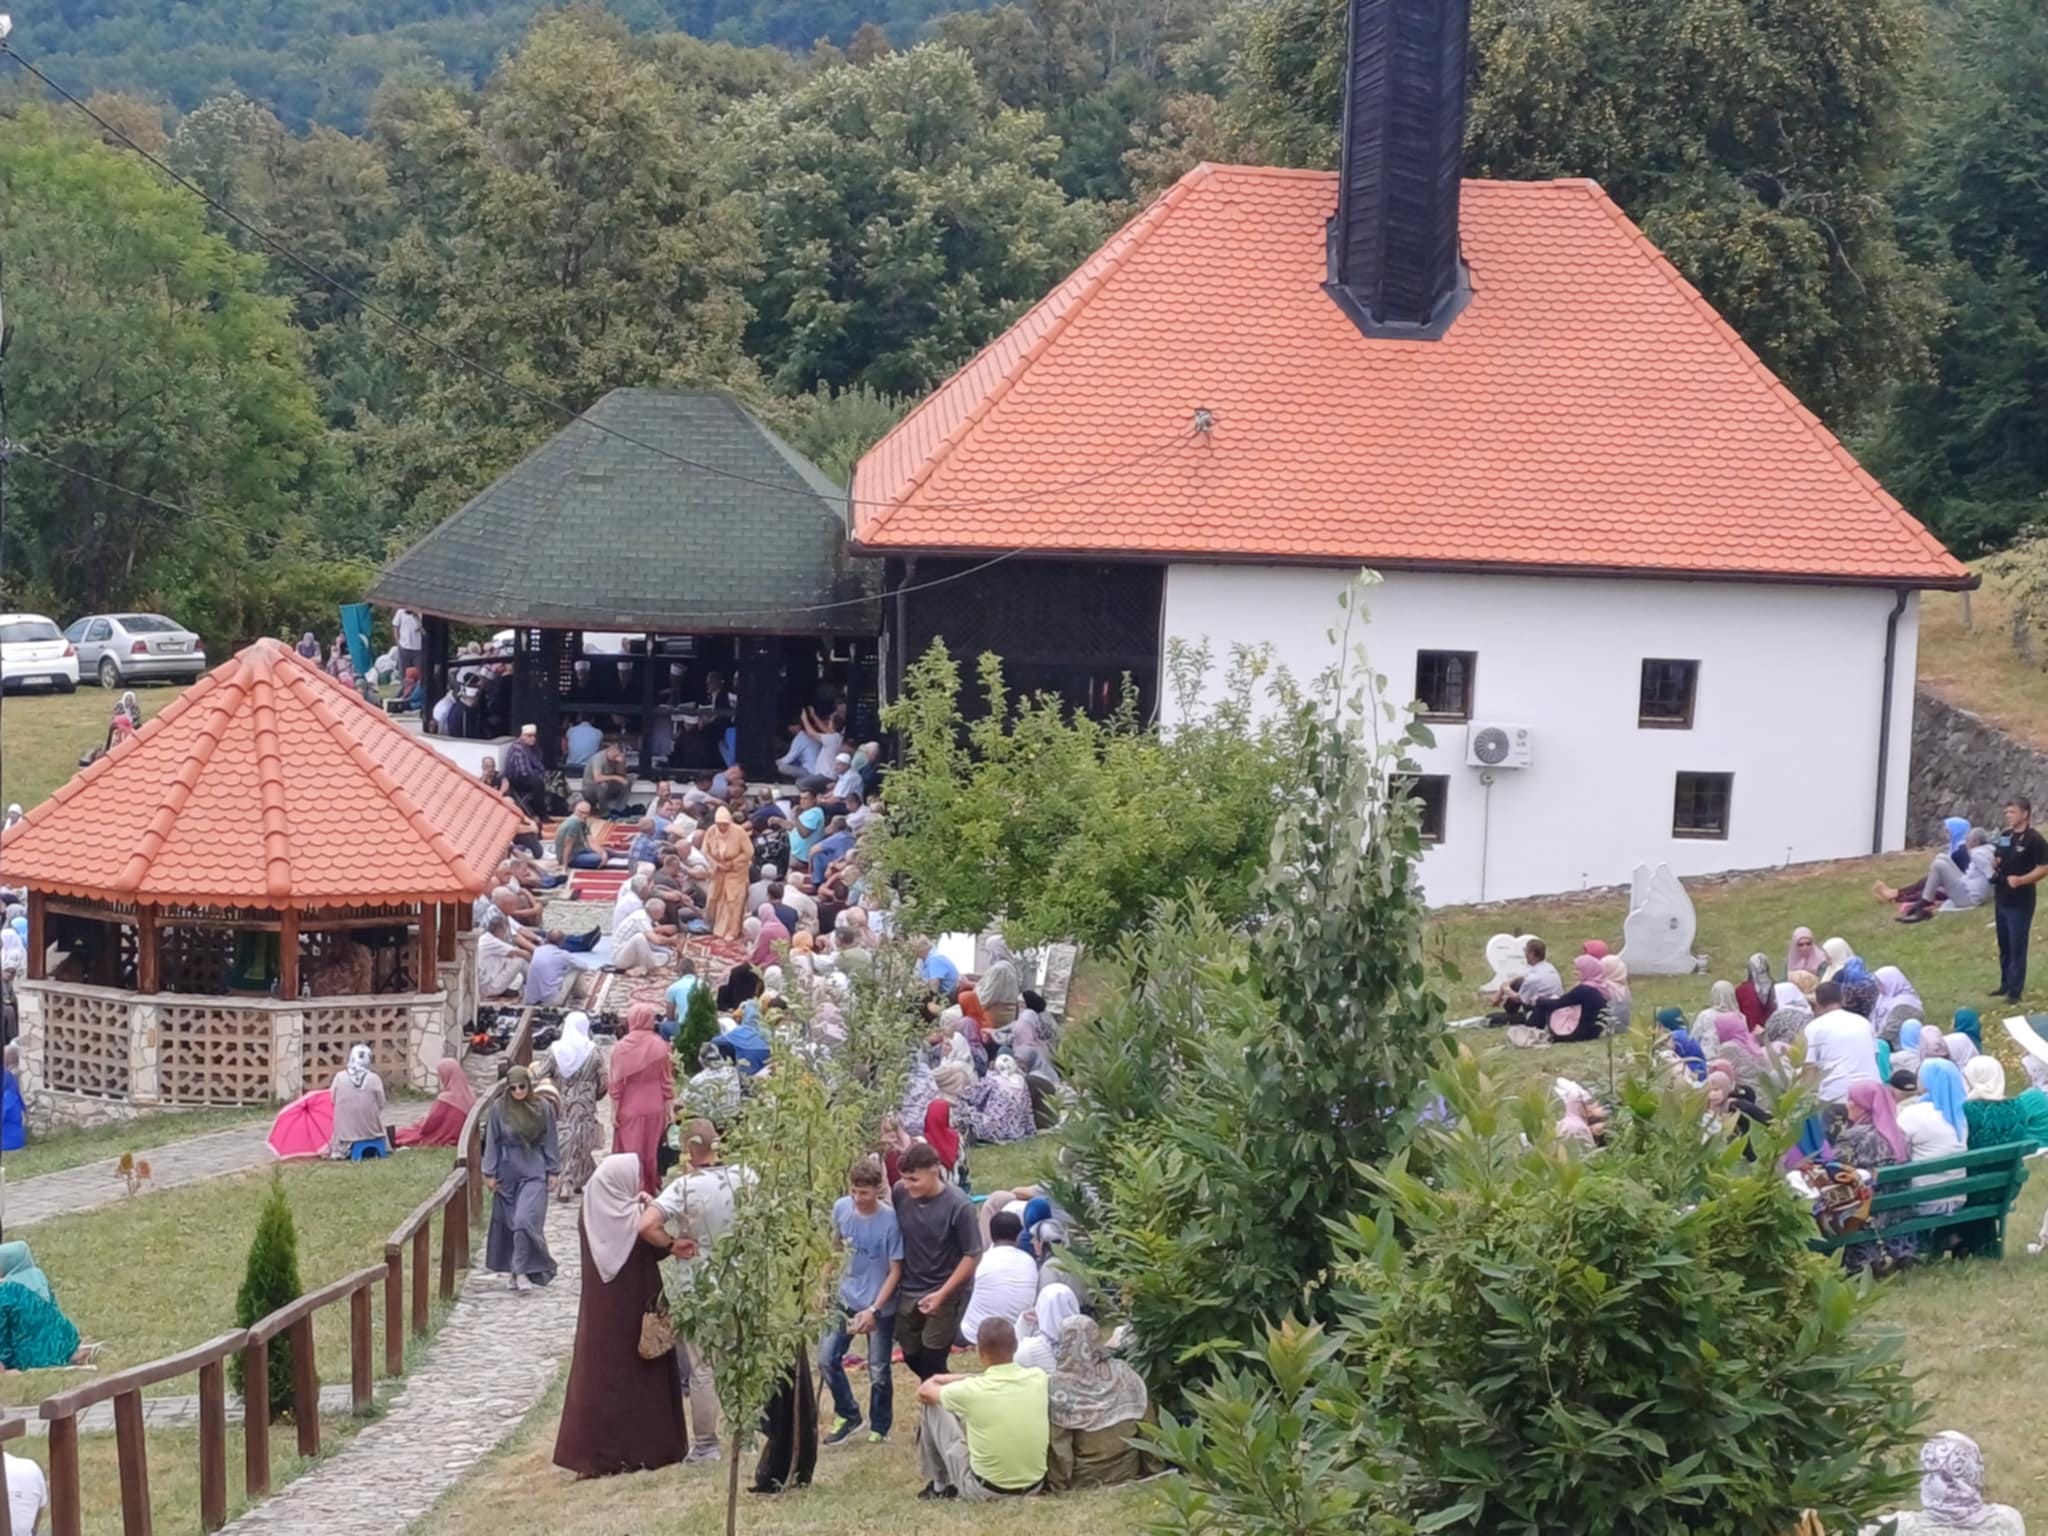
394 1313
422 1258
131 1451
256 1419
452 1226
362 1370
213 1446
65 1519
305 1387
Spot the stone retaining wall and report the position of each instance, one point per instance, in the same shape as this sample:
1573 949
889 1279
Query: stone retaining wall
1965 766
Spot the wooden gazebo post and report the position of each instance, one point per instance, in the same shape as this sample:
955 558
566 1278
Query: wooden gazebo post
38 937
427 973
148 968
288 954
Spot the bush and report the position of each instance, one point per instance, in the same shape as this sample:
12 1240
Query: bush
699 1027
1066 827
1238 1088
1633 1342
270 1281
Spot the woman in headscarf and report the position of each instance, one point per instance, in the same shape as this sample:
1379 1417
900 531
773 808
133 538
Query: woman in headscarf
622 1413
1966 1024
1098 1407
1932 1043
1575 1015
443 1125
1038 1329
1941 1085
340 666
1789 1016
358 1095
1935 1127
1738 1048
641 1080
1720 999
944 1140
1802 954
771 934
891 1142
13 1108
1003 1108
1753 996
1836 953
1961 1049
1952 1496
1597 948
1690 1055
35 1335
1859 987
1870 1139
1996 1120
520 1156
1614 984
308 647
126 721
730 852
1896 1002
1000 986
577 1067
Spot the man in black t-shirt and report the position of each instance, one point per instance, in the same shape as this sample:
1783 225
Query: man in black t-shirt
2019 861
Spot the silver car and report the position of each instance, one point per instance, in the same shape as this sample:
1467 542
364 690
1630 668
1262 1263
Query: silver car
124 648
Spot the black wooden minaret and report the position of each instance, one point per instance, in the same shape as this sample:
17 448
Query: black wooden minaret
1393 245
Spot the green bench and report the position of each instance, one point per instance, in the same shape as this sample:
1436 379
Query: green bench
1991 1182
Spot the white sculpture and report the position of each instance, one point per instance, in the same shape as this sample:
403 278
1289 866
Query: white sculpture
1504 954
1657 934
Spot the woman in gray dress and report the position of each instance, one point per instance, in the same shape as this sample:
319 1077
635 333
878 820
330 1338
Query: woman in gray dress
578 1067
519 1158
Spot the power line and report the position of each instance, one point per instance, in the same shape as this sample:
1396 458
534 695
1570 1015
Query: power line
1202 417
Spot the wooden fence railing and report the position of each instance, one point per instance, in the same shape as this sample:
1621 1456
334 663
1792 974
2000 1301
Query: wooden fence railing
10 1429
459 1202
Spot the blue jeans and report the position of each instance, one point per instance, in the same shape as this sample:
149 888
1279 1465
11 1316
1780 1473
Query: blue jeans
2015 929
589 858
881 1347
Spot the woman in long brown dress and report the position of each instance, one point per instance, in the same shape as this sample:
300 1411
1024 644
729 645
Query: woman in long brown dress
578 1069
731 852
622 1413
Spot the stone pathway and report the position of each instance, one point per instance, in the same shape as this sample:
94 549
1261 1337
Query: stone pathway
490 1363
172 1412
174 1163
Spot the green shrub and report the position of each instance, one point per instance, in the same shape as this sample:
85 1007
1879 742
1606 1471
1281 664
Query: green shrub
1536 1339
699 1027
270 1281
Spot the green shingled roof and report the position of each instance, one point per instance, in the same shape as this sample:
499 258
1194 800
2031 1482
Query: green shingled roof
594 532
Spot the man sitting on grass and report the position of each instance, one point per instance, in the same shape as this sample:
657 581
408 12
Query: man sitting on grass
985 1437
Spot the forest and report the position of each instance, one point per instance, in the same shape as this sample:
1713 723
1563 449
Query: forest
457 224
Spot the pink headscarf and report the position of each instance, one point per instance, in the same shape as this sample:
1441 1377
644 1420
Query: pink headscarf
1597 948
772 934
1875 1100
1733 1029
1590 974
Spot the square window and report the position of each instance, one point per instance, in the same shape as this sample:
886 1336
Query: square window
1443 683
1667 697
1700 808
1433 792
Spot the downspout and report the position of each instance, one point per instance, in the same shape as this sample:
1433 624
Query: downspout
1884 719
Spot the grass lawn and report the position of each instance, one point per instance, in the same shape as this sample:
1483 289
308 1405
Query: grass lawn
42 736
1977 668
68 1149
158 1274
174 1472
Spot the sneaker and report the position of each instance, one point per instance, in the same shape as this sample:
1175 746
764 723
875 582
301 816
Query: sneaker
843 1430
934 1491
876 1437
702 1455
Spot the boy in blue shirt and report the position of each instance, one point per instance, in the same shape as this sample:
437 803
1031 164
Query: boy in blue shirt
865 1227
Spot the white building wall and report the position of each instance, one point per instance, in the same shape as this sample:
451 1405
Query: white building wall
1790 688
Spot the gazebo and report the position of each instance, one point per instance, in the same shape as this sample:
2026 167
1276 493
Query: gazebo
669 567
269 873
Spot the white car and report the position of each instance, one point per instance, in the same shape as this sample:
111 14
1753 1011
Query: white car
35 654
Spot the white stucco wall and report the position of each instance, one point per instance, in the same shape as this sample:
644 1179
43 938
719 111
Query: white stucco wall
1790 683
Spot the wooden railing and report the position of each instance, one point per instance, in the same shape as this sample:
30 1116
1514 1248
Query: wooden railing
10 1429
459 1200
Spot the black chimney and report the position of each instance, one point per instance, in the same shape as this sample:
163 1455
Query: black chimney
1393 245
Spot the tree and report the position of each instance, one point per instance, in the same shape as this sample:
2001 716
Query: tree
147 354
1967 449
1239 1089
833 428
1065 826
1529 1339
270 1281
904 221
1754 143
697 1029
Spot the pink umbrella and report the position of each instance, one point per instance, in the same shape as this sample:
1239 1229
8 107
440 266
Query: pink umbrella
304 1128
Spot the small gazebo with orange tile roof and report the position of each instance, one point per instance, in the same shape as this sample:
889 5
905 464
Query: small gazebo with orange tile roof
269 834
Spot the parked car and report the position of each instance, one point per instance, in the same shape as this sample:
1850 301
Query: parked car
124 648
33 654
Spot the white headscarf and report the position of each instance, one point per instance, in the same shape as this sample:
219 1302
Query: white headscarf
612 1207
575 1045
1044 1317
359 1064
1962 1050
1952 1479
1984 1077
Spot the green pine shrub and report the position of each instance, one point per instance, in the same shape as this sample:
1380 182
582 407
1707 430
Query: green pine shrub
270 1281
1540 1338
699 1027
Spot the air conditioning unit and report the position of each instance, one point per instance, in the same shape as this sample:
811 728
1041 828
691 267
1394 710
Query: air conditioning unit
1492 745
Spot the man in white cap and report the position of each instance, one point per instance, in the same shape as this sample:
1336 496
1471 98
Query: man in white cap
526 772
848 789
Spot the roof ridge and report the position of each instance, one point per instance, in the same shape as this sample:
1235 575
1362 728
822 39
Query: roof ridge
1107 259
221 708
276 827
1802 413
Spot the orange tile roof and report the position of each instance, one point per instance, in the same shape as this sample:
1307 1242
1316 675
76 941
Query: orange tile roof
267 784
1588 411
